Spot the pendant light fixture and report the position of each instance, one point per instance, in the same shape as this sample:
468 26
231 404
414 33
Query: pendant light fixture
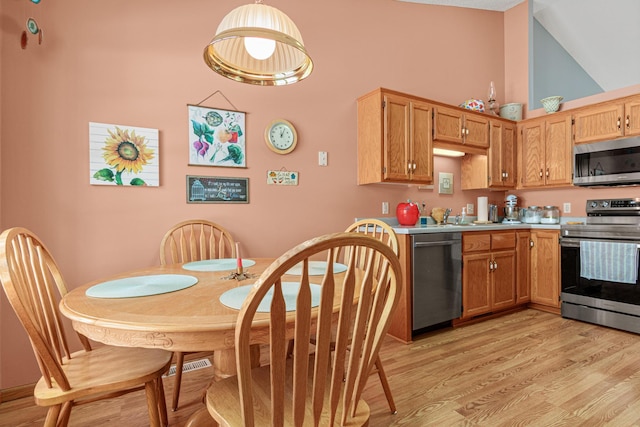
258 44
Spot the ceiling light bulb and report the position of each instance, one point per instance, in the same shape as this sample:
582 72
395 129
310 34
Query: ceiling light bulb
259 48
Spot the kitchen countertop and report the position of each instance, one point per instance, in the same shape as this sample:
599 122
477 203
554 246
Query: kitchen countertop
452 228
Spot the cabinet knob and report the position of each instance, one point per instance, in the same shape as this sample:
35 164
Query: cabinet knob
547 173
540 173
628 122
619 122
495 265
530 243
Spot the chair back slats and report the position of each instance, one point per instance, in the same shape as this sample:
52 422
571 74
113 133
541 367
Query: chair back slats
301 352
278 352
30 279
196 240
324 388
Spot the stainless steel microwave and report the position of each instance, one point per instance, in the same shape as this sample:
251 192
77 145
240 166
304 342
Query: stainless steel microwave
607 163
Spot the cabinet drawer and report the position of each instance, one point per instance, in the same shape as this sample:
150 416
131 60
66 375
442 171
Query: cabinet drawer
476 242
503 240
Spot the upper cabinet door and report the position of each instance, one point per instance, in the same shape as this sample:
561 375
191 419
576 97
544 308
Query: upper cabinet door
598 123
508 151
396 138
632 117
532 154
558 150
447 125
421 145
476 130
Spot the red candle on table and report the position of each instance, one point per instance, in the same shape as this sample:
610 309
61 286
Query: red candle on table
238 258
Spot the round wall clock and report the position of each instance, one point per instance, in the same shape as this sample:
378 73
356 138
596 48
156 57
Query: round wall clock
281 137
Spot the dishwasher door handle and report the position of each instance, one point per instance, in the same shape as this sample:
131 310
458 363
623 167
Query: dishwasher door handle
437 243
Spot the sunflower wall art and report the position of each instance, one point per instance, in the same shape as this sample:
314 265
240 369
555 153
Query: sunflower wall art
216 137
123 155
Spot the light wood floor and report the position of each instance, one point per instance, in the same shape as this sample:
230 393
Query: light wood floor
526 368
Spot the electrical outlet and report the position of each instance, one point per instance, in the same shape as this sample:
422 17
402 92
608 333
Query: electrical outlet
469 208
566 207
385 208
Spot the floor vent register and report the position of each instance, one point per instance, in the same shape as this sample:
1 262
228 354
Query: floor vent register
190 366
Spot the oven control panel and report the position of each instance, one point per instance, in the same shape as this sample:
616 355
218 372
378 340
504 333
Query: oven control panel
616 207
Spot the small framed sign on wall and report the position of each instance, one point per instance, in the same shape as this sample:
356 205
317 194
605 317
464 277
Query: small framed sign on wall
214 189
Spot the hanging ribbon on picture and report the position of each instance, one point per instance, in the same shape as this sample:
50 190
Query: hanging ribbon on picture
282 177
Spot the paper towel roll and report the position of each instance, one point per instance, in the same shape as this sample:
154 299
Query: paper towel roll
483 208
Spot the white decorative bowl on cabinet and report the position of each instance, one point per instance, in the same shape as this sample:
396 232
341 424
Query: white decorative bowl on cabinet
551 104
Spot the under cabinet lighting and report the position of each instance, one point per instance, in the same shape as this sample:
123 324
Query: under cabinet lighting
447 153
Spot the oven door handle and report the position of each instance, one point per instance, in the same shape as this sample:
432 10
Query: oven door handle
568 242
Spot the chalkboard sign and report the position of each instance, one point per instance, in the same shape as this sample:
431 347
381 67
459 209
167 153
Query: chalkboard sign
215 189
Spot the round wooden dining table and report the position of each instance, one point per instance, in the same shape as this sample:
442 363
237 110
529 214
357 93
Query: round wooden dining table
189 320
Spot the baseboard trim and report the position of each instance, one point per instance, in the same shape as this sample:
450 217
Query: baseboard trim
15 393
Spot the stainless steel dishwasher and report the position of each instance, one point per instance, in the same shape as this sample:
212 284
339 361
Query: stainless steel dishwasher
437 278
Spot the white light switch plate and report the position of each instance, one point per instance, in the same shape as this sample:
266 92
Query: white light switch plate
566 208
322 158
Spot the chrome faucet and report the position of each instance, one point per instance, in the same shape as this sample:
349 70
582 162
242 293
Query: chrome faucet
445 218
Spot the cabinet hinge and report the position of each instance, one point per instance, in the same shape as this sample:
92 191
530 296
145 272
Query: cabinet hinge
384 169
384 104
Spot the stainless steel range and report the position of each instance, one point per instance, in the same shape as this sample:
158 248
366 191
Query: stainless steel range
599 280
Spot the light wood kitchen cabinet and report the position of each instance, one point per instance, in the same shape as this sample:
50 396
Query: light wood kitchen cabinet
488 272
401 322
608 120
545 152
545 269
394 139
523 249
458 129
496 169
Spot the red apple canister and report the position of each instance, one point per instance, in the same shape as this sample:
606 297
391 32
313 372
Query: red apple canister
407 213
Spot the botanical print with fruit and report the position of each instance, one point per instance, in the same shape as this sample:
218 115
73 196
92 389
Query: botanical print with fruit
216 137
123 155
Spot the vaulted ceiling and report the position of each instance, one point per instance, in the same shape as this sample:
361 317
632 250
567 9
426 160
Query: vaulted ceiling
602 36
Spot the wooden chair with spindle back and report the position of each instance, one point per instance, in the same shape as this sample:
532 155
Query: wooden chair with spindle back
34 287
311 387
381 231
193 240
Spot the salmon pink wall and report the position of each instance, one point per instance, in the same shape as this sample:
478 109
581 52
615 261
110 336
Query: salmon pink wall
140 64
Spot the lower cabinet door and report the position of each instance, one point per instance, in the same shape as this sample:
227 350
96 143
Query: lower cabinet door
504 280
476 292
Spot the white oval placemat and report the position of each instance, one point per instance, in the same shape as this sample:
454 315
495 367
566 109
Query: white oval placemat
222 264
140 286
233 298
316 268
